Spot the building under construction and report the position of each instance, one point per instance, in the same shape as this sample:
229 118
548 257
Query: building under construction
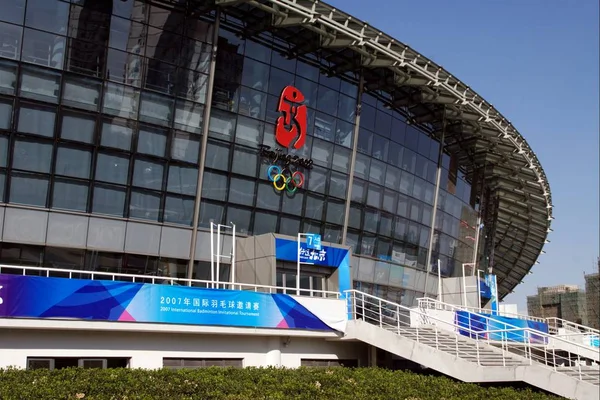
592 292
563 301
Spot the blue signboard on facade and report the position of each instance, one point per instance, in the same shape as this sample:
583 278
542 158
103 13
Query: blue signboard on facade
333 257
40 297
313 241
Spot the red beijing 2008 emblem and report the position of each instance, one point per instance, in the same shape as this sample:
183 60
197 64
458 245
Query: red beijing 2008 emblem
291 125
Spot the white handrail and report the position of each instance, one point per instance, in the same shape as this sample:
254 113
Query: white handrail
427 301
154 279
563 323
392 316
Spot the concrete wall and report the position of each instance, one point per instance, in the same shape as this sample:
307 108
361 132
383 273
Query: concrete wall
148 350
453 288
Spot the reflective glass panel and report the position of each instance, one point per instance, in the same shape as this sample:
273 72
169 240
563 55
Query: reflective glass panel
179 210
8 75
38 121
73 162
81 93
108 200
152 141
78 127
112 168
43 48
5 114
47 15
156 109
121 101
185 147
148 174
32 156
12 11
144 205
182 180
28 189
70 195
117 135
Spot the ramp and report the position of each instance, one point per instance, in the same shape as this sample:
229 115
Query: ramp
443 347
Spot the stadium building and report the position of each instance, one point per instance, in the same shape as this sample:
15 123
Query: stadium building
186 151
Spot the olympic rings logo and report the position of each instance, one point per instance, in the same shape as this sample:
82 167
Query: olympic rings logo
285 179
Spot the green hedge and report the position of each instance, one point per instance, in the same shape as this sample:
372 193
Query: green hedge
242 384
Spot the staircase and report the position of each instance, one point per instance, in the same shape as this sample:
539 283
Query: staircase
564 337
438 345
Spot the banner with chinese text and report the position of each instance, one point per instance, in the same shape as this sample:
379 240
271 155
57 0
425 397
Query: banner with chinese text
40 297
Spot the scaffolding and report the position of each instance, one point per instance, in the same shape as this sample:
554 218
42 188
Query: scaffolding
592 291
561 301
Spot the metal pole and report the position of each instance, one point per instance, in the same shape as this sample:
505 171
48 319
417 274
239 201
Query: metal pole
464 290
353 158
212 255
438 177
440 298
233 256
298 267
477 233
205 124
218 272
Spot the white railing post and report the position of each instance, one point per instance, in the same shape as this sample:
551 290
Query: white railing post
380 315
218 271
212 255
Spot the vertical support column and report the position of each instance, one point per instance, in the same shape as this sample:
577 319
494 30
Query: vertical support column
273 356
438 177
206 120
361 84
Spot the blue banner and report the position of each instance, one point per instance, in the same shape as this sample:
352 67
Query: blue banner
39 297
484 290
506 328
490 281
287 250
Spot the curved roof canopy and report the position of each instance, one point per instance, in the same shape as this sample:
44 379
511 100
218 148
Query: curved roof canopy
476 133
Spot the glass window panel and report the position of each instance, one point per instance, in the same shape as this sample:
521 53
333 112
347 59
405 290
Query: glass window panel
210 212
362 165
127 35
322 152
359 191
5 114
48 15
258 51
253 103
144 205
179 210
3 153
214 186
70 195
341 159
241 219
38 121
84 57
278 80
156 109
40 84
335 212
401 229
10 39
191 85
152 141
367 248
163 45
267 197
367 117
112 168
325 127
380 148
406 184
32 156
309 90
395 154
121 101
383 124
344 133
241 191
81 93
377 172
244 161
332 82
43 48
182 180
409 161
148 174
108 200
415 210
424 145
78 127
314 208
426 216
390 201
12 11
289 226
189 116
364 141
354 217
292 204
398 130
248 131
385 225
317 180
217 155
413 233
338 185
307 71
127 68
28 189
402 205
185 147
374 195
382 269
371 220
255 75
221 125
346 108
393 177
264 223
419 189
331 234
327 100
117 135
73 162
412 138
8 74
434 150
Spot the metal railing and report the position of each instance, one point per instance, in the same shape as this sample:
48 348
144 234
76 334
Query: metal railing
579 332
429 303
158 280
468 341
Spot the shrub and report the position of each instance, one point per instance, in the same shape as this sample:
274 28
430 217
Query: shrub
242 384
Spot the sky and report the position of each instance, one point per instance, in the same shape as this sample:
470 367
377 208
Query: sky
537 62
